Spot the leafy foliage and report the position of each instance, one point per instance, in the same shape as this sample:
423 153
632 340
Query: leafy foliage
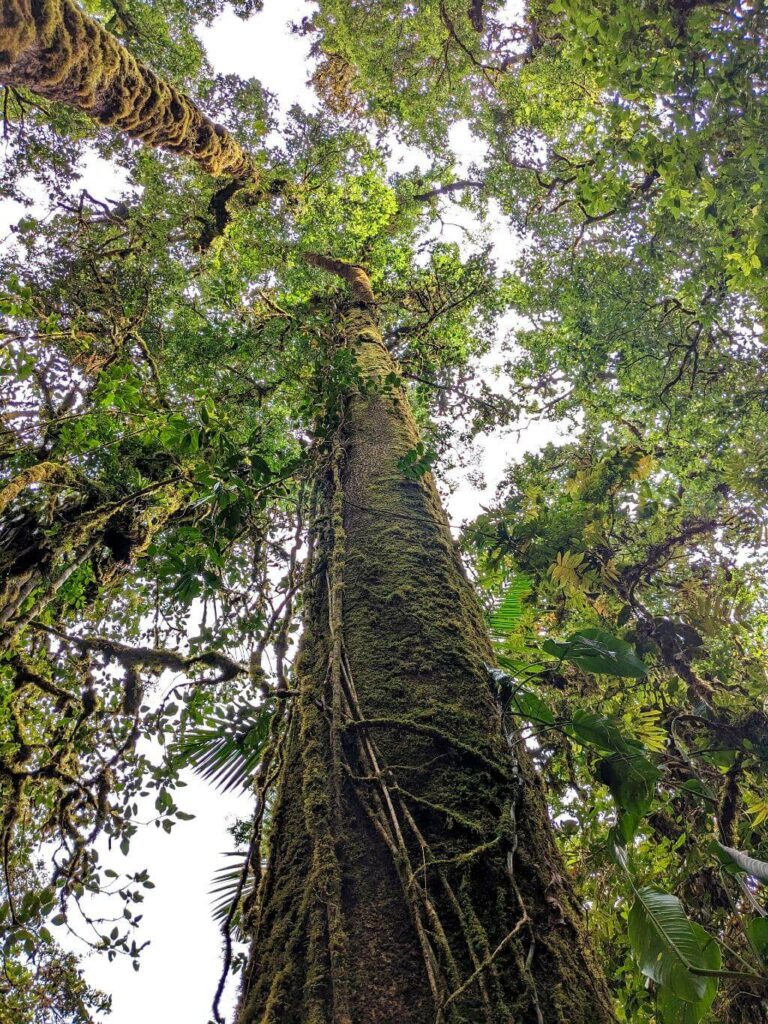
674 953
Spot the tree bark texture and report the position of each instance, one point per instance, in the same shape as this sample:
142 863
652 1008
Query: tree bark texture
52 48
412 876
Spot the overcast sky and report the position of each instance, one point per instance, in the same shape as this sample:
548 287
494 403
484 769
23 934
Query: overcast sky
180 969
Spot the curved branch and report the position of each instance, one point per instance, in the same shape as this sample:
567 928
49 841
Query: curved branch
150 657
52 48
354 275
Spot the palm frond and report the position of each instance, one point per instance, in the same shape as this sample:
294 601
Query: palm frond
227 748
225 890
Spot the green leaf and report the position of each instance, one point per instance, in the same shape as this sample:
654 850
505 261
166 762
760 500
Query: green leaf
597 731
756 868
526 703
595 650
670 949
228 750
507 615
530 705
629 774
632 779
226 882
757 932
674 1010
697 787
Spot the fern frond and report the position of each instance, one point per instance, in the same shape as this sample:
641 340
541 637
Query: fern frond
504 620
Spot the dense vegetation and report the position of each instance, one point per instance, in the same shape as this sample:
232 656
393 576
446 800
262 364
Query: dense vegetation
200 452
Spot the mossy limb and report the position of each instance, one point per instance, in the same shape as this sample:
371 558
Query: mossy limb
57 51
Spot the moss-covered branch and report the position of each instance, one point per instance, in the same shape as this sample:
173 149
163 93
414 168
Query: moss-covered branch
43 472
151 657
52 48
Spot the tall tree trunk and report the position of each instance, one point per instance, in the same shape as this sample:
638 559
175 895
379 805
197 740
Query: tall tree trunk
412 874
52 48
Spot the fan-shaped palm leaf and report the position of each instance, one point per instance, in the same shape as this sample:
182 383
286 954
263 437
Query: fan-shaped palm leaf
227 748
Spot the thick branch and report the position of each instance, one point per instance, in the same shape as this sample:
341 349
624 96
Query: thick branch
151 657
52 48
442 190
43 472
476 15
354 275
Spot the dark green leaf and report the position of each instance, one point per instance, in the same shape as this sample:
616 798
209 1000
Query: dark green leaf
669 948
228 750
595 650
757 930
530 705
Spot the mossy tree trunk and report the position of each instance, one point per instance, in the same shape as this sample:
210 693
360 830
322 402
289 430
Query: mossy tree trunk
52 48
412 874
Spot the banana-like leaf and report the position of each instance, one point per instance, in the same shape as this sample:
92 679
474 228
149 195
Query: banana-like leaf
507 615
595 650
671 950
674 1010
757 868
227 749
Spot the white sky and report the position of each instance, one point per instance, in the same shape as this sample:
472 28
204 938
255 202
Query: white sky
180 969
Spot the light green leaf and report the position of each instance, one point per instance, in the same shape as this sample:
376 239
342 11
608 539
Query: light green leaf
674 1010
507 615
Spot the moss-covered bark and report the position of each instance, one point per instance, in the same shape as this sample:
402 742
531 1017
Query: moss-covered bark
412 872
41 473
52 48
